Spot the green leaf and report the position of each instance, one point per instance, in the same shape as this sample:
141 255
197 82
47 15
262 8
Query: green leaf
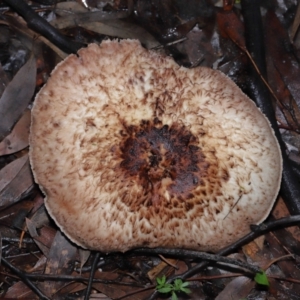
261 278
165 289
185 284
161 280
174 296
177 284
185 290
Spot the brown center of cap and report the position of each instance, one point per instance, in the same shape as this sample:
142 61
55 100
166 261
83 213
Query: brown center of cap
166 160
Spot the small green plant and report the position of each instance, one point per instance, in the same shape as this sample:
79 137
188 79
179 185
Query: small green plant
261 278
173 288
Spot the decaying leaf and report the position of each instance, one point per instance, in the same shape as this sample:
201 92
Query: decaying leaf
122 29
44 238
296 23
286 69
3 80
73 20
73 14
0 247
111 291
17 96
61 253
20 291
18 138
40 217
84 256
15 180
237 289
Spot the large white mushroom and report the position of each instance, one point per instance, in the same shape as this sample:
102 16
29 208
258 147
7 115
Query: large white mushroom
132 150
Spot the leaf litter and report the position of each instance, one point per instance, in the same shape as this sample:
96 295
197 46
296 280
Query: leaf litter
206 34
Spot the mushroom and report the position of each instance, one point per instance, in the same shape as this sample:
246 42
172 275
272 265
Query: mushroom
132 150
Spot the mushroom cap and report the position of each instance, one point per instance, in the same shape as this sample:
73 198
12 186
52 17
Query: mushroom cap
132 150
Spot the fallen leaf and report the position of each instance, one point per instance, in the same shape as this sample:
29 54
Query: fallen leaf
237 289
113 291
17 96
84 256
18 138
116 28
15 181
3 80
0 247
122 29
45 237
20 291
161 269
73 20
280 50
39 265
61 253
40 217
296 23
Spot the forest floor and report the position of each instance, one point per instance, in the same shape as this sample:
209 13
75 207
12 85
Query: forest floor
38 261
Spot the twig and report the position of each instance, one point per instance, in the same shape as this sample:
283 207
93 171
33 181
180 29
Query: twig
24 278
137 292
40 25
42 277
258 230
201 255
168 262
92 273
275 260
289 279
17 240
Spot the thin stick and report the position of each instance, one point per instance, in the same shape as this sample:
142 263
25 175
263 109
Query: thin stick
40 25
24 278
92 273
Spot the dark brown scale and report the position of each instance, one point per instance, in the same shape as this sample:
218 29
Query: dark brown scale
154 151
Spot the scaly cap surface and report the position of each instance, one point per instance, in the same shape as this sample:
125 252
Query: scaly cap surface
132 150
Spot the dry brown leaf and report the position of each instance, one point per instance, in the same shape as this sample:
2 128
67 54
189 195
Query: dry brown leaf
69 7
33 232
45 238
40 217
0 246
115 291
20 291
18 138
84 256
15 181
39 265
122 29
114 28
31 228
72 287
73 20
285 62
99 296
3 80
163 268
17 96
61 253
280 211
237 289
296 23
